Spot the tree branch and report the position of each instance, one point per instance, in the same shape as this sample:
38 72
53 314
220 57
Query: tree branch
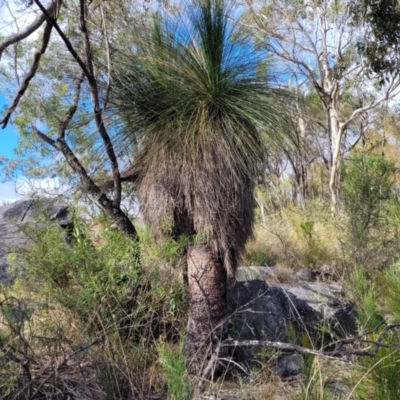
51 10
121 220
109 63
44 137
389 93
97 111
126 176
278 346
68 44
72 109
339 350
88 70
29 76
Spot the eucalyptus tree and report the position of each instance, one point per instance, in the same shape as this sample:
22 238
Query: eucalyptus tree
192 95
317 43
56 71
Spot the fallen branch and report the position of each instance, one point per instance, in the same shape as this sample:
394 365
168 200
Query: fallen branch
339 352
279 346
65 361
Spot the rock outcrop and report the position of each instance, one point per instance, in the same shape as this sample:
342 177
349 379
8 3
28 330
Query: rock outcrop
25 212
286 312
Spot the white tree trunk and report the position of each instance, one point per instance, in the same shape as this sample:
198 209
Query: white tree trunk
336 134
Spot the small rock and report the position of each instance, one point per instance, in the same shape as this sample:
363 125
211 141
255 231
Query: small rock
289 365
304 274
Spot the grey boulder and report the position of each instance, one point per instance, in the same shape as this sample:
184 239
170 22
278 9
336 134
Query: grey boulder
286 312
26 213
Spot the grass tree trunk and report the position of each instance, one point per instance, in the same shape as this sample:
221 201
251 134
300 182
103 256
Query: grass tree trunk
208 307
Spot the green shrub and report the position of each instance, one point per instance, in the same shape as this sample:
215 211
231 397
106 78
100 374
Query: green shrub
378 377
99 298
385 374
372 235
364 294
91 281
103 281
391 294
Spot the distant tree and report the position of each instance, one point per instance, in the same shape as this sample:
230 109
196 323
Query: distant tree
315 42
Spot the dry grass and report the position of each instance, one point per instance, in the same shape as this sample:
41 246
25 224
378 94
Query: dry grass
51 354
294 239
272 275
262 383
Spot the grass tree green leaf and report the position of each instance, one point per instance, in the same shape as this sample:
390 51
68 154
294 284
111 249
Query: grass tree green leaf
193 96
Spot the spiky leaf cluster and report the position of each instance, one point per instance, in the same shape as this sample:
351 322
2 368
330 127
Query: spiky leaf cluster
192 97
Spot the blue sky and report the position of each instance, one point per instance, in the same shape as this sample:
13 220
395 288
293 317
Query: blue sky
9 15
8 142
8 136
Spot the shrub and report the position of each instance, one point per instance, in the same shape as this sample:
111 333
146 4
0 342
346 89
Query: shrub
373 210
91 281
98 305
296 237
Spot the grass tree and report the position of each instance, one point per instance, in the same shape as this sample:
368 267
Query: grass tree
195 98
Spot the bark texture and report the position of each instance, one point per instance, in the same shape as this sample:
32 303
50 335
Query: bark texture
208 308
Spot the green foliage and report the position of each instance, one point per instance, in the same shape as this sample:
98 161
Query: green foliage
373 210
101 281
382 19
258 257
367 186
385 374
169 249
94 293
364 294
80 276
173 365
391 292
379 379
